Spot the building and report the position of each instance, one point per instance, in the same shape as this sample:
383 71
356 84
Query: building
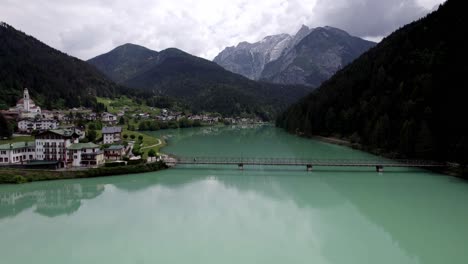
111 134
17 153
114 152
109 118
52 145
85 155
10 115
91 117
26 106
30 125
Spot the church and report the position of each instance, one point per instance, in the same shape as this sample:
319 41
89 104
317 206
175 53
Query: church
26 106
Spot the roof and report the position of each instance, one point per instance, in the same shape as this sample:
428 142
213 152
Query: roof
17 145
115 147
78 146
111 130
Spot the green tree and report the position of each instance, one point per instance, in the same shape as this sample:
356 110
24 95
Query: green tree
92 135
5 128
173 124
122 121
143 126
196 123
424 142
329 119
151 153
132 136
184 122
140 138
125 136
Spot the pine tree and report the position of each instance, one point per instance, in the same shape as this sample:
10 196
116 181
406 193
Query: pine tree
5 127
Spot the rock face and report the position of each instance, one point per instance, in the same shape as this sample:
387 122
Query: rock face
316 57
248 59
308 58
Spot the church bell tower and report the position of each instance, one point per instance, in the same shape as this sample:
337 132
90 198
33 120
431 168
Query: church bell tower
26 99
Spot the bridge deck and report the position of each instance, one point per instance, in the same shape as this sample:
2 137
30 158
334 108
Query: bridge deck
302 162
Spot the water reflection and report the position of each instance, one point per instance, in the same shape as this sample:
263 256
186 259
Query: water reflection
49 199
260 215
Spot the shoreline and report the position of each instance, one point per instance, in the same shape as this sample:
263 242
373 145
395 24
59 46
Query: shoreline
18 176
448 171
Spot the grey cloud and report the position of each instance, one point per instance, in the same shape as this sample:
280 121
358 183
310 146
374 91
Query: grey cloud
88 28
369 17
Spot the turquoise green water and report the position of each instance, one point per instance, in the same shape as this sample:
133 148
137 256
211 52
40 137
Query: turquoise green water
219 214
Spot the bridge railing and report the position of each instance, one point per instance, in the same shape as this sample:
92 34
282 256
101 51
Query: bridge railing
303 161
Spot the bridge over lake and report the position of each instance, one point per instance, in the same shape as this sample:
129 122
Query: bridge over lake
240 162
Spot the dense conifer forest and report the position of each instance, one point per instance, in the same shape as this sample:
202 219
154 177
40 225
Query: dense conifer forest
55 80
405 96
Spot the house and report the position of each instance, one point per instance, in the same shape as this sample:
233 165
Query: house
143 115
46 114
108 117
91 117
17 152
30 125
10 115
114 152
195 117
85 155
111 134
51 145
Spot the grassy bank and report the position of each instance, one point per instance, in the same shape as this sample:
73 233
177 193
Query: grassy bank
149 142
23 176
17 139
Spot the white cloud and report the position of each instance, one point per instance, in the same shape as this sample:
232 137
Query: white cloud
88 28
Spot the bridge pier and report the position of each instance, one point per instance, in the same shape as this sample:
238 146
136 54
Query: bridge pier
309 167
241 166
379 168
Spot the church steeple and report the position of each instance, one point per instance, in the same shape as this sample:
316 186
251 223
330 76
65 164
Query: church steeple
26 102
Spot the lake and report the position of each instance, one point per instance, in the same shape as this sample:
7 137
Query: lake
219 214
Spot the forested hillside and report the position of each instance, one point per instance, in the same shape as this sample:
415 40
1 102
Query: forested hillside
55 80
405 96
201 84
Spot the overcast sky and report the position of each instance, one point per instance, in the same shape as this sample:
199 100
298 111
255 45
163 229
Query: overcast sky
87 28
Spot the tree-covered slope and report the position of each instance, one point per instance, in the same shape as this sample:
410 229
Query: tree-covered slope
54 79
201 84
123 62
405 96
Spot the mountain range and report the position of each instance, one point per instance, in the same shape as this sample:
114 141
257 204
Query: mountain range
309 57
57 80
405 97
199 83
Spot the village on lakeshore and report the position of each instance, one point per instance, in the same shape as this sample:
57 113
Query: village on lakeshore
84 138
